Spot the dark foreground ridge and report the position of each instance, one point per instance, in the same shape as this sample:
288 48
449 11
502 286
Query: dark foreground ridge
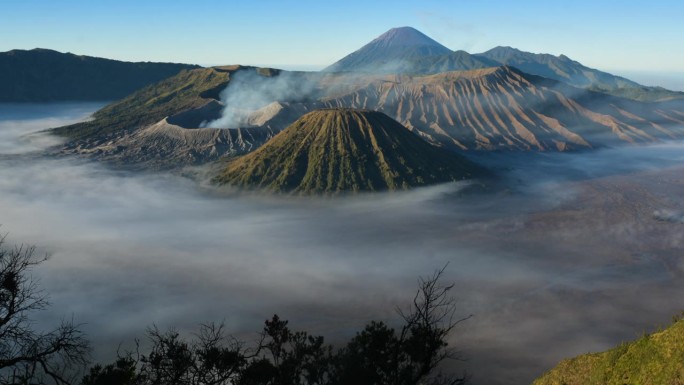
345 150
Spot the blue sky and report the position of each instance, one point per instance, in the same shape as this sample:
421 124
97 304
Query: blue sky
609 35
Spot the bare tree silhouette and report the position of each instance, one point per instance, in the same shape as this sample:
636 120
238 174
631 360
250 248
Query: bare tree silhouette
27 355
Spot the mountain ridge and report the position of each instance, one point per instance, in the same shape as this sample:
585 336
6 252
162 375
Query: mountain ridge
44 75
382 56
569 71
496 108
502 108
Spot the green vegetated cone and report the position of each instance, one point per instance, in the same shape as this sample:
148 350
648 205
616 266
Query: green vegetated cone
345 150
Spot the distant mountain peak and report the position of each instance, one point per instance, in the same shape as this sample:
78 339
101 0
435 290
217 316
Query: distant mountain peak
387 52
503 52
30 51
503 48
38 49
405 37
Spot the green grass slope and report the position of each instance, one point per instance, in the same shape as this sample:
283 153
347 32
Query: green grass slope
187 90
332 151
655 359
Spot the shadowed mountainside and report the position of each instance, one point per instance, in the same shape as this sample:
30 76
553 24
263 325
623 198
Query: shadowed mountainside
656 359
42 75
337 150
453 61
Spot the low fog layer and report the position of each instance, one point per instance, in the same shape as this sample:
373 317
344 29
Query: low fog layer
670 80
19 124
578 253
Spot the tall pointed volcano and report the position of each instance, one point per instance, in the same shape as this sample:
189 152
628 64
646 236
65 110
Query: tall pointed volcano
390 51
405 37
337 150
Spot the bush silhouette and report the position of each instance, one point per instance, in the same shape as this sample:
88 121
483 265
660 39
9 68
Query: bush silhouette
377 355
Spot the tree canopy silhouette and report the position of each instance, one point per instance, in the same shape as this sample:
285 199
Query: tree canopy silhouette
409 354
377 355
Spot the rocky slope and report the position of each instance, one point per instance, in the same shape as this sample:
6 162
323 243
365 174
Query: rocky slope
164 145
408 51
42 75
159 126
178 140
337 150
502 109
488 109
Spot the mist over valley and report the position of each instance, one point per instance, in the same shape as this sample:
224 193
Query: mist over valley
574 255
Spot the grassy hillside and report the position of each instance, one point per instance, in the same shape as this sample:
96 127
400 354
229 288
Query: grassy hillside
188 89
654 359
338 150
42 75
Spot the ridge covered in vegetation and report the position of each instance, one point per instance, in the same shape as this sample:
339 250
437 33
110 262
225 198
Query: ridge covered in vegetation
185 91
336 150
